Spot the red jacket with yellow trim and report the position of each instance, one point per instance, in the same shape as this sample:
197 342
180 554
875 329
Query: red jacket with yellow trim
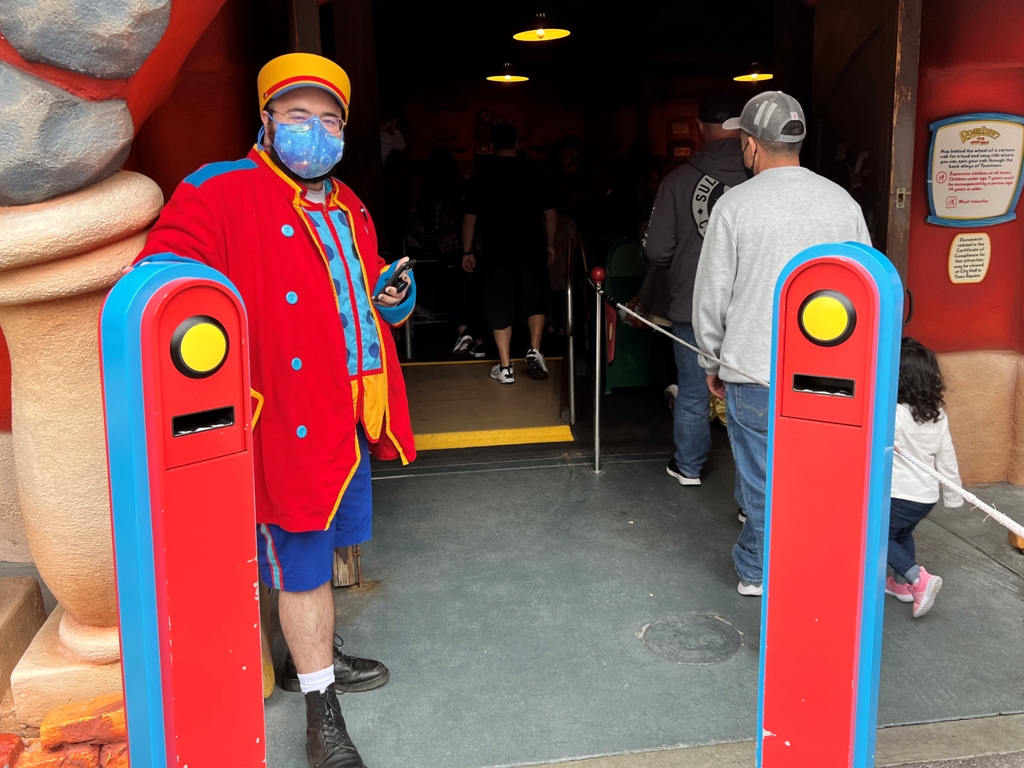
243 219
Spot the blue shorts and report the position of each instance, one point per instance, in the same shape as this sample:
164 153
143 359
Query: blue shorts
299 562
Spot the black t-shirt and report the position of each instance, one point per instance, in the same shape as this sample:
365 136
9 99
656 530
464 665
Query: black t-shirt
508 196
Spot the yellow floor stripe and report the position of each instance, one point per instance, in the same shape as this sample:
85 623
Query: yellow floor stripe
440 441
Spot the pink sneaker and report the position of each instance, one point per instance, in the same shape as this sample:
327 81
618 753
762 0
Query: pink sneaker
900 591
924 590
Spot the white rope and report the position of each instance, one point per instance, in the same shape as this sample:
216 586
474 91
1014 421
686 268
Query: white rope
699 351
992 512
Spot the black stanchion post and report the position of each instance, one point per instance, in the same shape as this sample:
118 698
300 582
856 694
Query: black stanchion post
570 330
597 275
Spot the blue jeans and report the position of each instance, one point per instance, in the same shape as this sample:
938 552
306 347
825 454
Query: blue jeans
904 516
747 416
691 412
737 490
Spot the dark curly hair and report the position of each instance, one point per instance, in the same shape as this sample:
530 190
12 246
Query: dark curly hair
921 386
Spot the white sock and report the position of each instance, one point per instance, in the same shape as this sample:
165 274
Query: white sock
316 681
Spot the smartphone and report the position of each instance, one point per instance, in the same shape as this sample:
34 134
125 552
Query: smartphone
396 279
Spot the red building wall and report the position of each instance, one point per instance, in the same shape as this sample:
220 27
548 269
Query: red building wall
972 60
212 113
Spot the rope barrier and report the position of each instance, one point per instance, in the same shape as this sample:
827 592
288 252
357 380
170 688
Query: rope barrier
676 339
989 510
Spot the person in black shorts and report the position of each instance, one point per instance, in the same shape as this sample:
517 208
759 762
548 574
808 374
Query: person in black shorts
510 208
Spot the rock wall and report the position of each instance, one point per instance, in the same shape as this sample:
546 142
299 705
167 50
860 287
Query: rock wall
103 38
55 142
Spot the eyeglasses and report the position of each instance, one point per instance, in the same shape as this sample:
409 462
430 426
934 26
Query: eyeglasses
304 120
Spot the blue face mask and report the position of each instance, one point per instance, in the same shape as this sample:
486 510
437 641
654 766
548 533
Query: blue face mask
307 148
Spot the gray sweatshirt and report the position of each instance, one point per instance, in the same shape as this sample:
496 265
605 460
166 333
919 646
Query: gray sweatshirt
680 214
755 229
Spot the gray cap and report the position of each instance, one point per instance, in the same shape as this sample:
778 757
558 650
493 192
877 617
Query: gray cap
765 116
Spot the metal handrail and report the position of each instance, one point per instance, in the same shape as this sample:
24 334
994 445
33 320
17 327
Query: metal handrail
570 329
407 328
598 358
598 355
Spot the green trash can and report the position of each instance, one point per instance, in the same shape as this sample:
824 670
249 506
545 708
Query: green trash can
642 356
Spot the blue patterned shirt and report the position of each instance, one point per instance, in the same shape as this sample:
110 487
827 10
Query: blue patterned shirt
355 311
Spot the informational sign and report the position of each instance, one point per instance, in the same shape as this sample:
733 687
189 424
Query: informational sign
969 257
680 128
974 169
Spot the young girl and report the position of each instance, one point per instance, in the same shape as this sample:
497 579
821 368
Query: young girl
922 430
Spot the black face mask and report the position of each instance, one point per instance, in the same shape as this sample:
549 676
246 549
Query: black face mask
749 170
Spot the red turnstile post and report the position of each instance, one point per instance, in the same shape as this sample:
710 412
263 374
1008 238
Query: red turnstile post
835 361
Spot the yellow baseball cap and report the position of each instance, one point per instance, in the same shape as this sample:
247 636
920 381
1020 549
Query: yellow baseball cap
299 70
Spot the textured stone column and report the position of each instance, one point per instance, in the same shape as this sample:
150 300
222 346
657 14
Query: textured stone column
57 260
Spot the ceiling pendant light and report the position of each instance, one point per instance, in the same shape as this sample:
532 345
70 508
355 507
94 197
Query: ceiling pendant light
755 75
541 32
508 76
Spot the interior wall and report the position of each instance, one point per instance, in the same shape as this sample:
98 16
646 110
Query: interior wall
793 59
970 62
446 115
849 125
604 126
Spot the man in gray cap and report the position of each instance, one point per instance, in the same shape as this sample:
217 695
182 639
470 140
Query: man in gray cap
674 238
755 229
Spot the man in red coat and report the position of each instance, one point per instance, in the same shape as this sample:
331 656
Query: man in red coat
327 386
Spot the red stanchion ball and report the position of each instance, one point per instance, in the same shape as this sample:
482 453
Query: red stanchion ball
597 274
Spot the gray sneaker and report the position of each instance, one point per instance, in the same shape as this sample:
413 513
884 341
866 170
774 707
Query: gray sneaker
671 393
750 588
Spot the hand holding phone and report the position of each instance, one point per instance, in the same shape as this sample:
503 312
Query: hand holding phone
396 279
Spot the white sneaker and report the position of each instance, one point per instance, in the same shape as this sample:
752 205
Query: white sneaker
750 590
504 375
535 362
742 517
674 471
462 344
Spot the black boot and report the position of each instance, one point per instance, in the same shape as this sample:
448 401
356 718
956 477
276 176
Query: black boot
327 742
351 675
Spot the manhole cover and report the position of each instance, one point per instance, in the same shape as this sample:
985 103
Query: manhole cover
693 638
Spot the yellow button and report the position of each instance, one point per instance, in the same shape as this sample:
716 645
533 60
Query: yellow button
203 347
827 318
199 346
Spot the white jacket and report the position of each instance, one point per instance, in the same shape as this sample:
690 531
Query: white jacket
931 444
